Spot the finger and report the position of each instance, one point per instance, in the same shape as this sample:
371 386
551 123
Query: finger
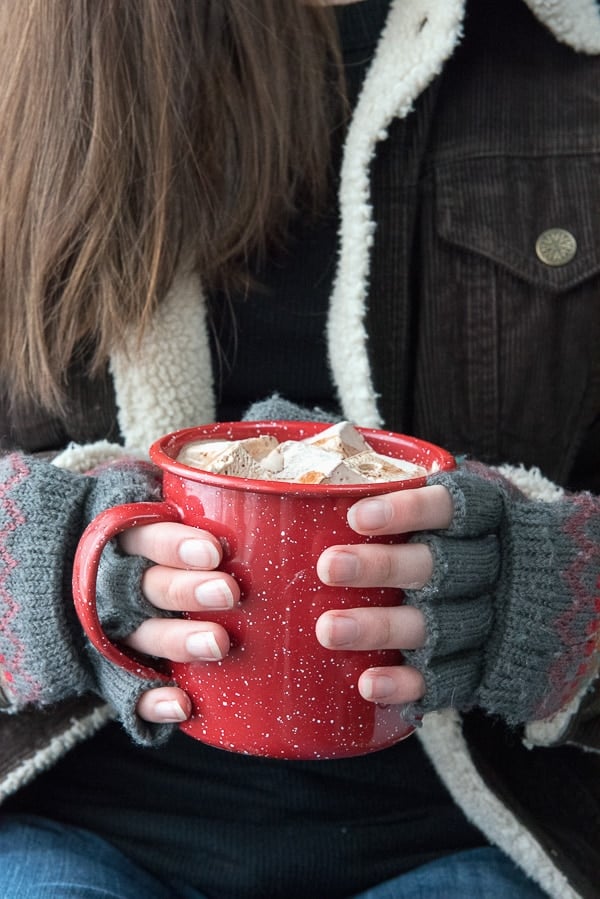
188 591
398 627
164 705
402 512
180 640
393 685
173 544
462 568
405 565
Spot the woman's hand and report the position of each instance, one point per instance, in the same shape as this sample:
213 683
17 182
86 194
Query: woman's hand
183 579
501 607
405 566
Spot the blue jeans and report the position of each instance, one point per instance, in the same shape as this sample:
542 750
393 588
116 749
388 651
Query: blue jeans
40 859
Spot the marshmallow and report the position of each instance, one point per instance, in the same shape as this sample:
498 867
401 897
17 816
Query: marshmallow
238 462
201 453
337 455
375 467
308 464
207 453
342 438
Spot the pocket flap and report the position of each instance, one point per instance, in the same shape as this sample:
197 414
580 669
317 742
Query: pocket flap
500 206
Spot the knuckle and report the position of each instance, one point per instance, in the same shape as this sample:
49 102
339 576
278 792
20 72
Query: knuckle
146 540
385 631
382 563
175 593
154 639
157 637
172 640
377 627
414 505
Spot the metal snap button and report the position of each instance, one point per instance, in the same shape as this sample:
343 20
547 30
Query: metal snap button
555 247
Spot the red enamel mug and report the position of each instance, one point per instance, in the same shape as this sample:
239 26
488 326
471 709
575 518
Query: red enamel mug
278 692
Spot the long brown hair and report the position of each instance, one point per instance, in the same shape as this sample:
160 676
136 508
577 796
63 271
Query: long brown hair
136 131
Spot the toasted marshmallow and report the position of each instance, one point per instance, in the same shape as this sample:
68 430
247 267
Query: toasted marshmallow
337 455
201 453
300 459
237 462
375 467
207 453
273 462
342 438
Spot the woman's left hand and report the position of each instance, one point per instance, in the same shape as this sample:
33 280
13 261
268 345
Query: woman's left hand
501 605
406 566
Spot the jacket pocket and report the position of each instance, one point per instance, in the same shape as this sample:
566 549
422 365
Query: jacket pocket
514 277
501 208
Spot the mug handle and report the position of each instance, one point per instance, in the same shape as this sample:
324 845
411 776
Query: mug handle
103 528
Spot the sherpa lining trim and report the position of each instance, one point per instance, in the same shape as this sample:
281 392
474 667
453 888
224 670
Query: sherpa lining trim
443 741
573 22
42 759
417 39
164 382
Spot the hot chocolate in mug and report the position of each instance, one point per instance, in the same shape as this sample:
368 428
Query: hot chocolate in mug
278 692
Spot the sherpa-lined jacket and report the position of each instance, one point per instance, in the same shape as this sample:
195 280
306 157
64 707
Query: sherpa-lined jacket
517 326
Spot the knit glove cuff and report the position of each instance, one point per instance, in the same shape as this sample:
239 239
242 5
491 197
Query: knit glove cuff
277 408
44 655
512 610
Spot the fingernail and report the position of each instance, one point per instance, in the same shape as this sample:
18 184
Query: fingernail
199 554
370 514
214 595
341 631
377 687
341 568
203 645
169 710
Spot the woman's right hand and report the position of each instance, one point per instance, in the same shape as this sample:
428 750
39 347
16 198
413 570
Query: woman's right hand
184 578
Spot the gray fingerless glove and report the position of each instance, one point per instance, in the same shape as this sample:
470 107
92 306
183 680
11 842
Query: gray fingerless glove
276 408
44 655
512 609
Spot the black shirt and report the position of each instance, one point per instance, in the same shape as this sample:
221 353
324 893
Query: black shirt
256 335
